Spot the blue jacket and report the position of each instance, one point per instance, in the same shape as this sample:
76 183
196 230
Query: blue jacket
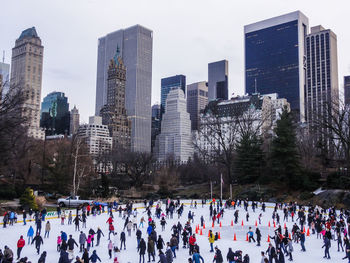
196 258
149 230
94 257
64 236
30 232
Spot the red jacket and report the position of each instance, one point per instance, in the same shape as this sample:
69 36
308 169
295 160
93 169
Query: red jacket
110 220
111 227
192 240
21 243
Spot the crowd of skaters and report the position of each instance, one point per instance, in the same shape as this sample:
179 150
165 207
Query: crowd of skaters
326 224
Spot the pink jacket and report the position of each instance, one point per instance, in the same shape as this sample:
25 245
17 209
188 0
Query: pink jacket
88 240
59 240
110 245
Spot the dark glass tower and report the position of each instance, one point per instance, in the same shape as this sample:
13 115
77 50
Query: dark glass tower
55 115
178 81
218 80
275 58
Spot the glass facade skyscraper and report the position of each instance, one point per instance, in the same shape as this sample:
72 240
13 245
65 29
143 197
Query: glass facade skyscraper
275 58
135 45
218 80
178 81
55 115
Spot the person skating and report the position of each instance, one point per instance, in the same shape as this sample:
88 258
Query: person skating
280 256
42 258
162 257
218 256
38 242
85 256
211 240
230 256
326 246
197 258
76 221
271 252
173 244
258 236
30 234
8 254
160 243
71 242
122 240
150 249
94 257
142 250
290 249
250 235
47 229
246 259
169 254
82 240
110 248
20 244
99 233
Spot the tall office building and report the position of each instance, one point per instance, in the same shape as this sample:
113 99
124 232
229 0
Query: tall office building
155 123
113 113
275 58
322 72
175 139
55 114
74 121
26 75
5 75
178 81
197 99
218 80
135 44
347 90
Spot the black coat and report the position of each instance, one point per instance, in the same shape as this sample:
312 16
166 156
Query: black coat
142 247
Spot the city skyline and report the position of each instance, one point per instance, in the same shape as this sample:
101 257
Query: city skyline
71 67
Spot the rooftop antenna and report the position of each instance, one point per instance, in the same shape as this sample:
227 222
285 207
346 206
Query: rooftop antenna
3 56
256 90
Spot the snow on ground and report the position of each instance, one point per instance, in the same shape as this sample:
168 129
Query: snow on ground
314 253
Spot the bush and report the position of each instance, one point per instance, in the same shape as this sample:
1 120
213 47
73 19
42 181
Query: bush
306 195
27 199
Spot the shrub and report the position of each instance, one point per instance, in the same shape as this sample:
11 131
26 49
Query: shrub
7 192
28 199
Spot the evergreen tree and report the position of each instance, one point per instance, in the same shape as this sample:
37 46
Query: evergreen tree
27 199
250 159
285 159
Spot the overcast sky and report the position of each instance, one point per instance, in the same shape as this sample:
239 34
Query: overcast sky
187 35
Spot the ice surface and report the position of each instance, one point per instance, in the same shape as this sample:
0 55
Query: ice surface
314 253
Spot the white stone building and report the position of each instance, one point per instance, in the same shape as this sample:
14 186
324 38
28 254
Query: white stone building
175 139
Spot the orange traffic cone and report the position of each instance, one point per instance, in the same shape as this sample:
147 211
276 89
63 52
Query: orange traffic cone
220 224
208 234
234 237
308 232
201 233
196 230
290 236
304 229
212 224
274 224
247 239
219 237
231 222
285 226
242 223
256 223
203 225
268 239
269 224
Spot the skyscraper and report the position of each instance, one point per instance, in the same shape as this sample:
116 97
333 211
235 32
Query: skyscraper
275 58
155 123
135 44
169 83
197 99
347 90
218 80
175 139
26 75
74 121
55 116
5 73
322 88
113 113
